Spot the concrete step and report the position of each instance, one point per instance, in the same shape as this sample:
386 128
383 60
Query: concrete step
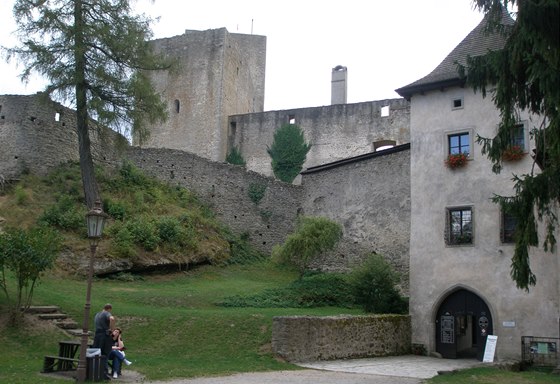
36 309
77 332
52 316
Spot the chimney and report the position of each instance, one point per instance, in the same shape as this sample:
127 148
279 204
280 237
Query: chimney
339 85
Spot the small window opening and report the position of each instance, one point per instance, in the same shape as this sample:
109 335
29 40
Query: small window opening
385 111
292 119
57 116
457 103
232 128
177 106
508 227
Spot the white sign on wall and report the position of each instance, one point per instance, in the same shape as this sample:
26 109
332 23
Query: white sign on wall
490 349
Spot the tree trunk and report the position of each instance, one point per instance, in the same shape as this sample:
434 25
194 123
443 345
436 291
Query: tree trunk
89 182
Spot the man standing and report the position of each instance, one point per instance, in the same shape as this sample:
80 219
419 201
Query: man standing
104 325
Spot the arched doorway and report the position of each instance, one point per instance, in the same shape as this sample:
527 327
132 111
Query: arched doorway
463 323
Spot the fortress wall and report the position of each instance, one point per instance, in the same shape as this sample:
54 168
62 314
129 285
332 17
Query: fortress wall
370 198
37 134
225 189
336 131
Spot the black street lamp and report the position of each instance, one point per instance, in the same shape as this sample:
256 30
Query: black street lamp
95 219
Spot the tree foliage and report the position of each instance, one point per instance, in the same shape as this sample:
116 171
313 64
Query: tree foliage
525 76
235 157
313 236
94 55
288 152
26 254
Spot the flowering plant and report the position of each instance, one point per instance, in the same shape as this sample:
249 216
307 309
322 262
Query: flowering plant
513 153
456 160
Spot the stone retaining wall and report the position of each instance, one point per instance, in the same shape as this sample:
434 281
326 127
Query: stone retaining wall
307 338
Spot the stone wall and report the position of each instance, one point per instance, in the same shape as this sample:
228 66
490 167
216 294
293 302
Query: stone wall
369 196
215 74
225 189
335 132
306 338
37 134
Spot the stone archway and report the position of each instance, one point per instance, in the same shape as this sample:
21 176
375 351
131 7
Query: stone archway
463 323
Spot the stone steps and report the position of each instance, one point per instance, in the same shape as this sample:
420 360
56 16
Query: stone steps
61 320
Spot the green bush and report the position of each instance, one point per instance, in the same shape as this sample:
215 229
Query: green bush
373 284
144 232
122 241
21 195
65 214
313 236
116 209
235 157
26 254
241 250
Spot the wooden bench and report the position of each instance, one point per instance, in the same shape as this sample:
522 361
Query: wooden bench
58 363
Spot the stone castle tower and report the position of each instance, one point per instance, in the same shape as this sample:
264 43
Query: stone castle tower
217 74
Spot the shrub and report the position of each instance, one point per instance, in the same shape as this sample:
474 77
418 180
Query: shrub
26 254
373 286
241 250
116 209
64 214
288 152
312 290
122 241
313 236
21 195
144 232
235 157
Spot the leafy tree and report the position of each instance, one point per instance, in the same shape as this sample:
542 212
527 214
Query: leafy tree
313 236
373 285
525 75
26 254
94 55
288 152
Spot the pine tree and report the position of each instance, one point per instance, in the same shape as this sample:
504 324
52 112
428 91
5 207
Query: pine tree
525 75
93 54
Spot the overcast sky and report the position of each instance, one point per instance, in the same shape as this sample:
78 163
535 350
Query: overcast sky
384 44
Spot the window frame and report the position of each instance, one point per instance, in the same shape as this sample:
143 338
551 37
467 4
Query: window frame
510 239
449 237
458 132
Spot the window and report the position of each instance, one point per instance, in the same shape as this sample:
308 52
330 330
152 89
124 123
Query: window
459 143
383 144
177 106
385 111
459 226
518 136
507 228
292 119
457 103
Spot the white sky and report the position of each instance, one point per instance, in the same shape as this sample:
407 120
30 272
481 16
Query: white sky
385 44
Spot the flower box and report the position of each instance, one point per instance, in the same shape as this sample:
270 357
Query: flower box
513 153
457 160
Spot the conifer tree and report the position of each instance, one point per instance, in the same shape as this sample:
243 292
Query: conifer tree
288 152
525 75
93 55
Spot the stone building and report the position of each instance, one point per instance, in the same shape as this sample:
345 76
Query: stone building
460 242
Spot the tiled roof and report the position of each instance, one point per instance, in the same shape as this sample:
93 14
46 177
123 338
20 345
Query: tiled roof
478 42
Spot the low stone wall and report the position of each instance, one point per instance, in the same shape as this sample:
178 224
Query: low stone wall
306 338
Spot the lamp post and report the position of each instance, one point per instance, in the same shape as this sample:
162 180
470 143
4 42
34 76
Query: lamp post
95 219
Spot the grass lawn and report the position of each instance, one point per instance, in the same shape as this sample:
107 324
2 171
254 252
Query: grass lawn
171 325
489 375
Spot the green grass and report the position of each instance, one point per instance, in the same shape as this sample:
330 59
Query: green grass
172 324
491 375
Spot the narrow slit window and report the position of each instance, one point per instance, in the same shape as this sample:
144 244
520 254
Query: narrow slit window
177 106
292 119
457 103
57 116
